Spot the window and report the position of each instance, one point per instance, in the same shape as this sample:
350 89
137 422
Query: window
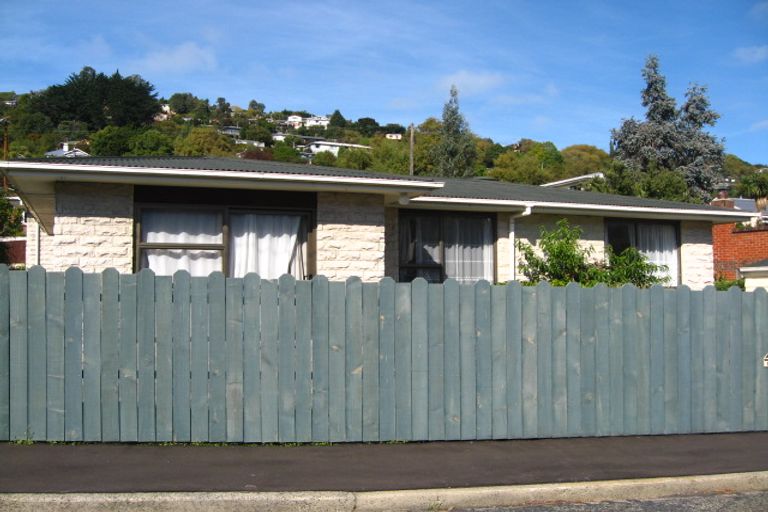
658 241
437 246
236 241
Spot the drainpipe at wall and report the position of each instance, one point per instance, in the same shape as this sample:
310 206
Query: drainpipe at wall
512 240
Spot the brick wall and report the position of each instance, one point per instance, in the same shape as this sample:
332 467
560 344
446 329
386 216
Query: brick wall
93 229
734 249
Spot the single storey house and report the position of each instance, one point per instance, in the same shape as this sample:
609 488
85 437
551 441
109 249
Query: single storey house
238 216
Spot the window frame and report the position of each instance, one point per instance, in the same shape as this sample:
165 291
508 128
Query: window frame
307 220
636 222
441 215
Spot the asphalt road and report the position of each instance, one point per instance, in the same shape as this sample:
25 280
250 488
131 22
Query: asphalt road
747 502
365 467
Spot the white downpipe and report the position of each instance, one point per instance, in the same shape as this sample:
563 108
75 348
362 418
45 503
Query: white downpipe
512 240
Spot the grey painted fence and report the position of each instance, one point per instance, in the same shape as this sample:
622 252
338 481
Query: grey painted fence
109 357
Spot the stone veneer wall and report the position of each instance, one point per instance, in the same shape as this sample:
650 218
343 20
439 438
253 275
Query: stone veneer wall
503 249
391 243
93 229
350 236
696 254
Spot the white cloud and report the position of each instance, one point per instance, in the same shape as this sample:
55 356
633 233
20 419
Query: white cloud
471 82
183 58
549 92
759 126
751 54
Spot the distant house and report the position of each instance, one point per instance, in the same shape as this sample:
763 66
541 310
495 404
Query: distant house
294 121
576 182
66 150
165 113
394 136
323 121
332 147
232 131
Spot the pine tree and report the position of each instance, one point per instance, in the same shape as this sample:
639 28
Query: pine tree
672 138
455 153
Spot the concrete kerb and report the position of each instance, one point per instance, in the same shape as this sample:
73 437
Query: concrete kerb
410 500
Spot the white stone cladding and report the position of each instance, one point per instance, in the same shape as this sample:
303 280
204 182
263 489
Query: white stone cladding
503 249
350 236
92 230
392 243
697 266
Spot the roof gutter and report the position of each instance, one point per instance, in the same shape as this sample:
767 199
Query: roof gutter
593 209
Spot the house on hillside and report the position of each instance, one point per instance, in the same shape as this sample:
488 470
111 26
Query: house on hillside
238 216
318 146
67 150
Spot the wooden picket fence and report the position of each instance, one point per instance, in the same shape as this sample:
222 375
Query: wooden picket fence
110 357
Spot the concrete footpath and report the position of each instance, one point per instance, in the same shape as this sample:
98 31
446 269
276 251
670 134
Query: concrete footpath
414 476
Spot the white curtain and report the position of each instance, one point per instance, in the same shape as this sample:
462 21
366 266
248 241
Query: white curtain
179 227
420 245
165 262
269 245
468 248
658 242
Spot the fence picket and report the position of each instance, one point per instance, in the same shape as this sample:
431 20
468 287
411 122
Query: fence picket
656 296
631 359
251 359
145 332
734 410
467 342
198 384
73 353
269 362
684 356
544 360
337 401
749 364
181 357
217 359
709 359
603 350
514 361
530 362
419 361
483 360
671 397
286 349
303 361
19 360
354 360
573 357
164 359
499 360
587 363
643 361
234 364
436 360
5 354
320 354
616 376
92 357
370 362
110 355
54 307
129 425
558 362
403 354
387 428
36 333
761 383
452 364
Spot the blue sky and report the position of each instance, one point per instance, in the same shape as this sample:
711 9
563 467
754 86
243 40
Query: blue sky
561 71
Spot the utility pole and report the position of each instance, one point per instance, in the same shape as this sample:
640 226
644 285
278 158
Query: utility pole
5 150
410 163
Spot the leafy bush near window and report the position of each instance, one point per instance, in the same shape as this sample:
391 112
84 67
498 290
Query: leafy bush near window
563 260
723 284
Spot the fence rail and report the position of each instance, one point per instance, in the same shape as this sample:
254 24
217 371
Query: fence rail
117 357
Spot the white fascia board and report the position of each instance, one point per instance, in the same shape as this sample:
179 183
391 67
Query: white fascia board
752 270
592 209
70 171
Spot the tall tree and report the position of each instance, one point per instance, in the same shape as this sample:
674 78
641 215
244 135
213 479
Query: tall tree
670 137
337 120
455 153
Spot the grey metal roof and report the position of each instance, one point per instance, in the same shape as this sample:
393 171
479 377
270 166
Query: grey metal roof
227 164
505 191
466 188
